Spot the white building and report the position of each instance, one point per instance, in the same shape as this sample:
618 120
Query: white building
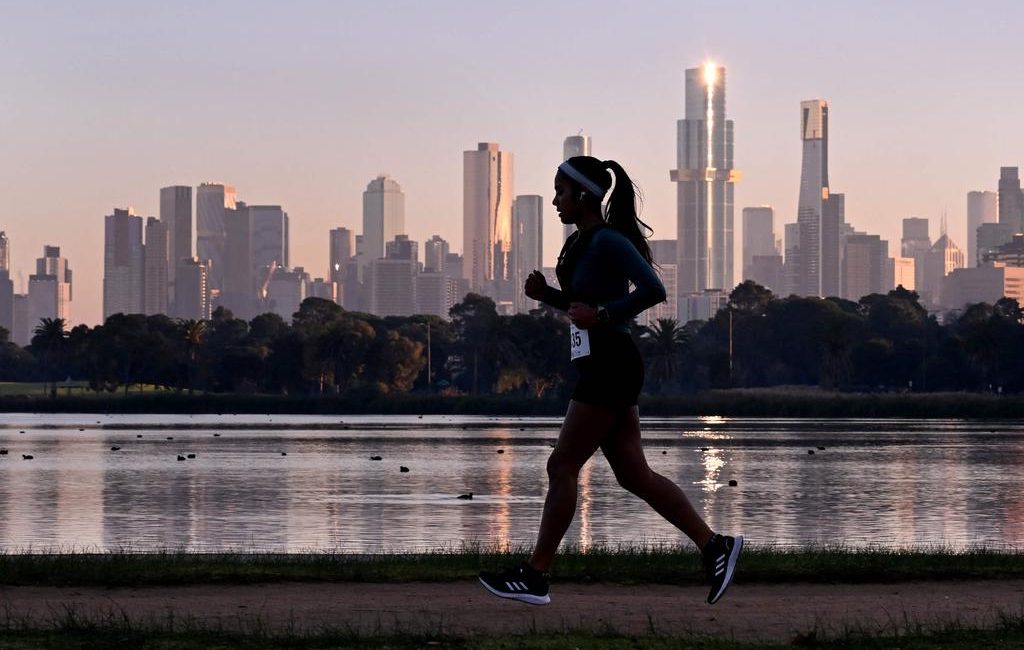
383 217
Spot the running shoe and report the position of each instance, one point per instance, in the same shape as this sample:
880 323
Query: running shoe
521 582
720 556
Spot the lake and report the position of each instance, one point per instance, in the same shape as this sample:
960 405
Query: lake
306 483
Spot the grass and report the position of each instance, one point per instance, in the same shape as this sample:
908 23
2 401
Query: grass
621 565
69 630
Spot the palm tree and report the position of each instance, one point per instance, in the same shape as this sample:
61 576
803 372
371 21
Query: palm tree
50 338
194 331
663 340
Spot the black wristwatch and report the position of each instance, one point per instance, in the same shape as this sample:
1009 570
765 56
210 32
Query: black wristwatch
602 315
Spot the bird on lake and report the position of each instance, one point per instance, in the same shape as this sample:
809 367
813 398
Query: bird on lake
191 455
216 435
465 496
501 451
403 468
115 448
138 435
27 456
376 458
284 453
180 457
3 452
170 437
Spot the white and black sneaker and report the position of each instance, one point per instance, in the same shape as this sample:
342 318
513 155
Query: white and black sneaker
521 582
720 556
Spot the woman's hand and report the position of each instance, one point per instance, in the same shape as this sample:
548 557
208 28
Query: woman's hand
582 315
535 285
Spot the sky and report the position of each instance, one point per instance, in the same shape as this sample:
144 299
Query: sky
301 104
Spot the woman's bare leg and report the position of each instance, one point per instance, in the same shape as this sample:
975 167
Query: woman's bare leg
625 454
585 428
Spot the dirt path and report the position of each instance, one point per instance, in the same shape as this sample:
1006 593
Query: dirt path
750 612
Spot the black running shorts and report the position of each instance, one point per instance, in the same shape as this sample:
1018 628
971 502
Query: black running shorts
613 374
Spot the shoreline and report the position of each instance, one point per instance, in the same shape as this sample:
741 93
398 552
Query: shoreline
768 402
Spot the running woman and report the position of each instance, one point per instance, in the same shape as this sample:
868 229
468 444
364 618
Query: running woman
598 262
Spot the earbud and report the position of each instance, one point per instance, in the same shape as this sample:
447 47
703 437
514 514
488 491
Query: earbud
582 195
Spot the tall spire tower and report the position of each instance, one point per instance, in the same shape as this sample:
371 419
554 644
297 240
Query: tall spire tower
705 181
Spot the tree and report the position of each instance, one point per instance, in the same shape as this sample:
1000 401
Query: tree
476 324
49 340
662 342
193 332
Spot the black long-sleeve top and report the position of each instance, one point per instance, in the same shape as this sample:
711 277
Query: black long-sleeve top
596 267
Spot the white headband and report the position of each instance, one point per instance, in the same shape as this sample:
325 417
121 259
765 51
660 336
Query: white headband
578 176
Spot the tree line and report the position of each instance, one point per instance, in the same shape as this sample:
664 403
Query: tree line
881 342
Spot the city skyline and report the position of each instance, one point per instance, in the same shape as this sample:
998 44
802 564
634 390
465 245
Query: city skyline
306 145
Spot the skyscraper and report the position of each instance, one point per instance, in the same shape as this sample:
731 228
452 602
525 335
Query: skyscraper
943 258
212 199
487 191
269 225
6 286
527 246
1011 199
193 290
383 216
574 145
819 213
176 214
982 207
238 293
49 289
435 254
866 266
705 182
758 235
393 278
155 267
5 252
341 251
916 243
123 263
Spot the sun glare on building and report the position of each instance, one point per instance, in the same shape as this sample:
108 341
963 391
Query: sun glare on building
710 73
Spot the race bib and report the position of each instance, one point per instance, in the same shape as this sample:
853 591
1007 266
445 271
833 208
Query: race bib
579 343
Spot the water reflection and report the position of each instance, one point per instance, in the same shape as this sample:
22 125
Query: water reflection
905 483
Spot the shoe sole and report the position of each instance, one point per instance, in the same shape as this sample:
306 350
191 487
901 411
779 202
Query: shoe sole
730 566
523 598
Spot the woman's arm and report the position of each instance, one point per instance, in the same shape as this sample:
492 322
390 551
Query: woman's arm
647 287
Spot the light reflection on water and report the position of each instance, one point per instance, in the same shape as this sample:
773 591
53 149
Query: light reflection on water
877 482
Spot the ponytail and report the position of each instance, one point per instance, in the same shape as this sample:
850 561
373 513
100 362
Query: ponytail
621 210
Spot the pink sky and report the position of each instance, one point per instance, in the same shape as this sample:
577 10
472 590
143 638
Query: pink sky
303 105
